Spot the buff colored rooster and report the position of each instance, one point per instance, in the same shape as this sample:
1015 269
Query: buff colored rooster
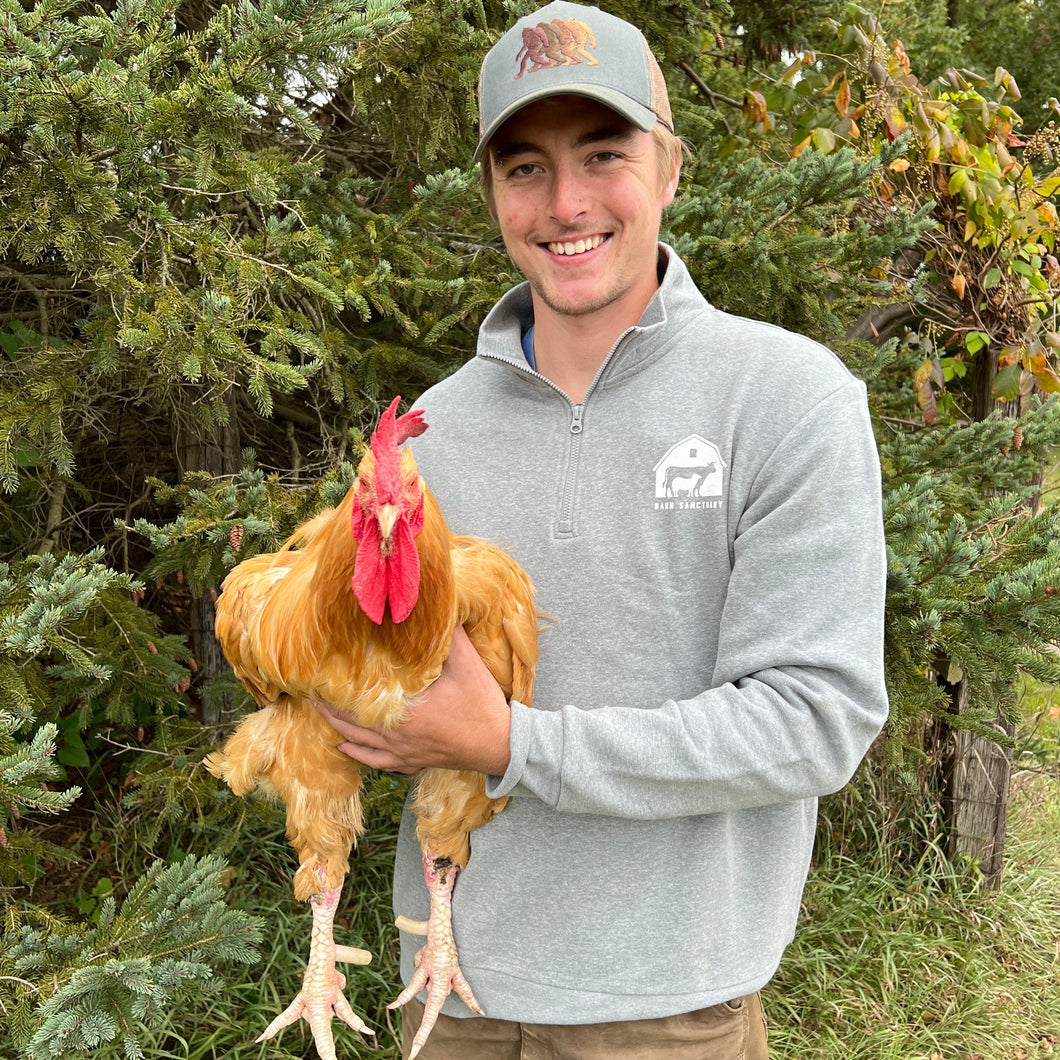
358 610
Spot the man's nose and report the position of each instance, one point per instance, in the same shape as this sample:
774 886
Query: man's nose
568 196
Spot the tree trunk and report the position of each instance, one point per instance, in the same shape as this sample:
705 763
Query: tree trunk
975 770
217 451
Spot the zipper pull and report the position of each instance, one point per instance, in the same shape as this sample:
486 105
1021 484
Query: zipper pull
576 419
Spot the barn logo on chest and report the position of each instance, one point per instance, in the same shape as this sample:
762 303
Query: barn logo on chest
690 477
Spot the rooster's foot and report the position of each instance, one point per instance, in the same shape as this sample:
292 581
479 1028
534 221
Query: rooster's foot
437 965
321 998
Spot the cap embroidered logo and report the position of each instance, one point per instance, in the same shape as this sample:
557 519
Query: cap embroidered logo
561 42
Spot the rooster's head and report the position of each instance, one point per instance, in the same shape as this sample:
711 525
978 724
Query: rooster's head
387 516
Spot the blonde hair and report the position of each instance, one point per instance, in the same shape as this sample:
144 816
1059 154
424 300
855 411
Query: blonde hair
669 149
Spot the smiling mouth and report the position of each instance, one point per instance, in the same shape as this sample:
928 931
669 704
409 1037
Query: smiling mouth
578 246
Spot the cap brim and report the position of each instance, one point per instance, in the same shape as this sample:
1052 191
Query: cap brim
643 117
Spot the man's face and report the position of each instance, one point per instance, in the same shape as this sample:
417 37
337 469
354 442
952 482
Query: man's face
579 198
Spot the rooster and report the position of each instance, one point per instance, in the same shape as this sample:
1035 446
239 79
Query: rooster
358 610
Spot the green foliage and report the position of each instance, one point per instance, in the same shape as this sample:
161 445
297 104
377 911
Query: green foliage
234 231
94 984
24 768
1021 36
74 647
774 241
222 523
72 634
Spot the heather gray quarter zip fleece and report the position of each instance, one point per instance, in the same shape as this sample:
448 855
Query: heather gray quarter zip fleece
705 533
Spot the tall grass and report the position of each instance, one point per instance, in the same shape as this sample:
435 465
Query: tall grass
901 956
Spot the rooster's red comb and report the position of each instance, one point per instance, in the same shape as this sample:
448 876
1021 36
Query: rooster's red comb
392 432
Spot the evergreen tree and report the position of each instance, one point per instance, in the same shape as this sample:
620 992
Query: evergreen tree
233 231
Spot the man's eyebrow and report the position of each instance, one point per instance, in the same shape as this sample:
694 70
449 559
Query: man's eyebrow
613 133
602 134
502 152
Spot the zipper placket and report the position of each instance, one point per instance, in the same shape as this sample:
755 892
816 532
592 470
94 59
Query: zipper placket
565 524
565 527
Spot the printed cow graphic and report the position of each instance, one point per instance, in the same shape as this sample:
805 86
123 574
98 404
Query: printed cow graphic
691 473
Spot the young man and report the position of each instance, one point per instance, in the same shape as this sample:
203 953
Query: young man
697 499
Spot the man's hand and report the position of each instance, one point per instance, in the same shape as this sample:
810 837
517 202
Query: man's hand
462 721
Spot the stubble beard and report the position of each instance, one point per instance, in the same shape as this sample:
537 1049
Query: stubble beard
580 308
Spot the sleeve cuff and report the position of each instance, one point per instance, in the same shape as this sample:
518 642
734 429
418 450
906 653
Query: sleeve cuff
529 741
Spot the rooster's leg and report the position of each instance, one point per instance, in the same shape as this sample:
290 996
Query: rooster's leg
437 965
321 998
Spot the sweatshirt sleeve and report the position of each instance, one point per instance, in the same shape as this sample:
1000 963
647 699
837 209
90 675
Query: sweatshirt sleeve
798 691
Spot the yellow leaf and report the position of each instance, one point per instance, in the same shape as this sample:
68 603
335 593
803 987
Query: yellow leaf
932 147
894 122
958 284
823 140
899 165
1009 82
831 84
1044 375
958 179
842 98
755 107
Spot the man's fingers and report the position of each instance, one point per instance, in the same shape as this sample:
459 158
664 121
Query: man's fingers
341 722
375 758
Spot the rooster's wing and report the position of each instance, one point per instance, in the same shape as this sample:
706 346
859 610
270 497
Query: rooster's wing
495 604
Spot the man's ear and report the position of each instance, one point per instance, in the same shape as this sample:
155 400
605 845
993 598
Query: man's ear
671 185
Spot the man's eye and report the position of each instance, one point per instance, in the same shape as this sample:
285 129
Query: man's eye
525 170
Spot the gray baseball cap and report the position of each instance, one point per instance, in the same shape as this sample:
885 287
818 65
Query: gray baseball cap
569 49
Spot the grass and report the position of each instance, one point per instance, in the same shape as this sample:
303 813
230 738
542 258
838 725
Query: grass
902 957
899 955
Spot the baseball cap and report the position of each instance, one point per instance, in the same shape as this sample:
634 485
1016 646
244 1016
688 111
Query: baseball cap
570 49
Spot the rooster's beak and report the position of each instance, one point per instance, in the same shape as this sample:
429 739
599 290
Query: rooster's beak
387 516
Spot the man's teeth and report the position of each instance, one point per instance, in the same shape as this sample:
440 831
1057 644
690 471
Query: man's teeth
580 247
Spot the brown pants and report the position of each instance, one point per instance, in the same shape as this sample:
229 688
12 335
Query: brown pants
735 1030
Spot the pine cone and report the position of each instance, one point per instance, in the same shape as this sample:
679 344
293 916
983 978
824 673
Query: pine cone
235 538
